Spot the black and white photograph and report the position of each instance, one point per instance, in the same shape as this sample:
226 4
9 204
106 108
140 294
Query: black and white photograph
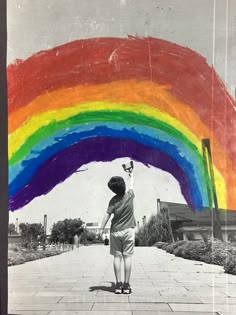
118 157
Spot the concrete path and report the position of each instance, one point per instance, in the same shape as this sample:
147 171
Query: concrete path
81 282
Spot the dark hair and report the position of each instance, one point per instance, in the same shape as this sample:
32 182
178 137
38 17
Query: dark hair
117 185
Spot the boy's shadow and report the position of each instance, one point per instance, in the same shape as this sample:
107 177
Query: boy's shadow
103 288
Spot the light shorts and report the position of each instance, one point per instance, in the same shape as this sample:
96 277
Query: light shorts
122 242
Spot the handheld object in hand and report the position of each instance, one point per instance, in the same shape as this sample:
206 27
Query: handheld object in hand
128 167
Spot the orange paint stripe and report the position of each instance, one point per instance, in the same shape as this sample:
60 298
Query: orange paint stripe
131 91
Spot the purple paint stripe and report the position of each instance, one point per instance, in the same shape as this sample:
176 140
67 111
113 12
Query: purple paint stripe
56 169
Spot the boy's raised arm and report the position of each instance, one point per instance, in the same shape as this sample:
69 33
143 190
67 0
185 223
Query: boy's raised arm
131 175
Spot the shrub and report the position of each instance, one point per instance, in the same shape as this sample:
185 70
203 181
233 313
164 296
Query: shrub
161 245
230 264
215 252
218 252
171 247
91 236
191 250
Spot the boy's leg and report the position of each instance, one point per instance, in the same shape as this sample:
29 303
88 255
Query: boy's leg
127 268
117 267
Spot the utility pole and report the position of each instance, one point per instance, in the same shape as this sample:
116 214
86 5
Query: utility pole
17 224
144 220
138 225
44 230
207 157
158 206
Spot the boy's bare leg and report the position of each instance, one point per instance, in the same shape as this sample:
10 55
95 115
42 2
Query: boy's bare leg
127 267
117 268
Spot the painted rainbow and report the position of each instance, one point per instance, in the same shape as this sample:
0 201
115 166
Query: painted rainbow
104 98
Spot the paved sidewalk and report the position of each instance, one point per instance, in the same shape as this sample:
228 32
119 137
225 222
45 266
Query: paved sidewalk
81 282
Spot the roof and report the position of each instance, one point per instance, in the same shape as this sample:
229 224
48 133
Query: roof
182 213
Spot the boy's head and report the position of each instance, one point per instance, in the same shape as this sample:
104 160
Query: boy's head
117 185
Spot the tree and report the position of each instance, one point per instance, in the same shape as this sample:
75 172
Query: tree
11 229
64 231
157 229
30 232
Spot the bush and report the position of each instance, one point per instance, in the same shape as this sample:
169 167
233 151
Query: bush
191 250
160 245
215 252
23 255
91 236
218 252
171 247
230 264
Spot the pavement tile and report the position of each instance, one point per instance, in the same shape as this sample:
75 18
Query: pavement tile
33 299
209 294
18 294
165 299
130 306
203 307
52 294
56 289
91 313
48 307
170 291
218 300
16 308
170 313
95 299
30 313
167 284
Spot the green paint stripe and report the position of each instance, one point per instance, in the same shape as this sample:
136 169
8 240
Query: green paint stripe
104 116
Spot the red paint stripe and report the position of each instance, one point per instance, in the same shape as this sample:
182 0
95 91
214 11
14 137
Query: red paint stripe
103 60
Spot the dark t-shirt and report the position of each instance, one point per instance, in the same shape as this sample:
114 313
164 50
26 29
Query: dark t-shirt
123 209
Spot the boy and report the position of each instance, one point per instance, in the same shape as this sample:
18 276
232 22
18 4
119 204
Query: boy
122 233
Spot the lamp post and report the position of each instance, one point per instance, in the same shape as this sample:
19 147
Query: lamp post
158 205
17 225
207 157
44 231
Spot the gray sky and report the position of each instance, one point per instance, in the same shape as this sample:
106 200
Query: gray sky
39 25
206 26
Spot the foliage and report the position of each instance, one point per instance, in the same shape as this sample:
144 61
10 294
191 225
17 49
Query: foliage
191 250
90 237
232 236
215 252
230 264
190 236
31 232
205 234
18 255
12 229
171 247
64 231
157 229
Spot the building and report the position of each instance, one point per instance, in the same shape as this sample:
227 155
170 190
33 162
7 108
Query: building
187 224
